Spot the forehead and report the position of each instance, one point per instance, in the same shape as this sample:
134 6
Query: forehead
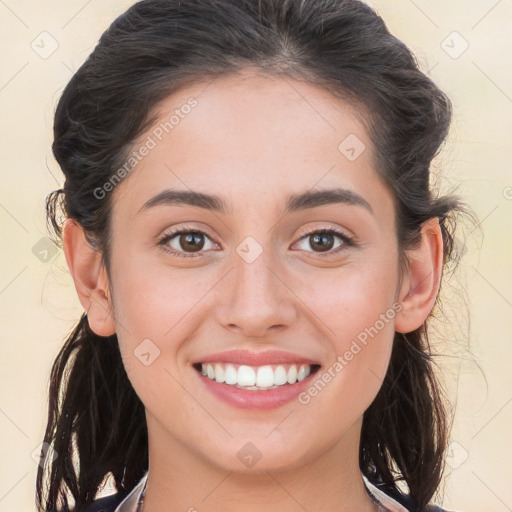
251 138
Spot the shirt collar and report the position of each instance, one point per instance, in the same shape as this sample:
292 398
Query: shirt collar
130 502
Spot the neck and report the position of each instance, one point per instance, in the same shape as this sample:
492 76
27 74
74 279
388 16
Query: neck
179 480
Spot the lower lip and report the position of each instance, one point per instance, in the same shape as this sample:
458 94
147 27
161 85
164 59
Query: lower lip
256 399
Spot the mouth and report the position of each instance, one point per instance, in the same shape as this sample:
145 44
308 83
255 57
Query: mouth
256 378
252 380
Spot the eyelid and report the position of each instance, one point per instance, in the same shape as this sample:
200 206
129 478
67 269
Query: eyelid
347 241
169 234
327 228
184 228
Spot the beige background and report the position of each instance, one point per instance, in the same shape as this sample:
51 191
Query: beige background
38 305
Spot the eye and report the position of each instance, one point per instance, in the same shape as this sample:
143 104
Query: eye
190 243
323 241
186 242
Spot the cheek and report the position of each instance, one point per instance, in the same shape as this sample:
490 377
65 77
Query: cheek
351 299
356 310
152 301
155 312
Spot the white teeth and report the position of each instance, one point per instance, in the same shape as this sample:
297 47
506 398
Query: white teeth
259 377
303 372
292 374
265 377
219 373
280 376
246 376
231 375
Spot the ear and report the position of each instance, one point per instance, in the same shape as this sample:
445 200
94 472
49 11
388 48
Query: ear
421 284
90 278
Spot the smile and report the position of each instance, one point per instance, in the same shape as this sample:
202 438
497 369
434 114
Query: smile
256 378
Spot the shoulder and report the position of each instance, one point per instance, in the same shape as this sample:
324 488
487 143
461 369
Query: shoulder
106 504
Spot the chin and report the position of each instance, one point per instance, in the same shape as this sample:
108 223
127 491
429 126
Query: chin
258 455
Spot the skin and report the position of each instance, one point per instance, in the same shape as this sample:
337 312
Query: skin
253 140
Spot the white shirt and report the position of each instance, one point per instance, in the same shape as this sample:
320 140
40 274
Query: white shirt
129 504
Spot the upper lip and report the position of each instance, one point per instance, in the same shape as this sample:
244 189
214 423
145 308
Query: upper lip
246 357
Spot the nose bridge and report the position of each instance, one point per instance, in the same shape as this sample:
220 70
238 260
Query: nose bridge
255 260
255 268
258 298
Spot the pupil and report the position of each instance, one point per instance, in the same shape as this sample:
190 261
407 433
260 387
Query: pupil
322 238
192 241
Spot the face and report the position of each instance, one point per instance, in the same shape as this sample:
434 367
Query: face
263 275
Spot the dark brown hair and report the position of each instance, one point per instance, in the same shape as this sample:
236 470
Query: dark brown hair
96 422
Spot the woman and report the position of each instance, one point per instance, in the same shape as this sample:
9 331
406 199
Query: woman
249 225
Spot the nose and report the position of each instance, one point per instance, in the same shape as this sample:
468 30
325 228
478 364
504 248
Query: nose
256 298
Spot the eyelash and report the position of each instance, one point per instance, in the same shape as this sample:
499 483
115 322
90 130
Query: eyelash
347 241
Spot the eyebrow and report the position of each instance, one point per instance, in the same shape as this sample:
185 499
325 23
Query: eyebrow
294 202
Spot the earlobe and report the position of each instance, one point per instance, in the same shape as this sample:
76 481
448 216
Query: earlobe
421 285
90 278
